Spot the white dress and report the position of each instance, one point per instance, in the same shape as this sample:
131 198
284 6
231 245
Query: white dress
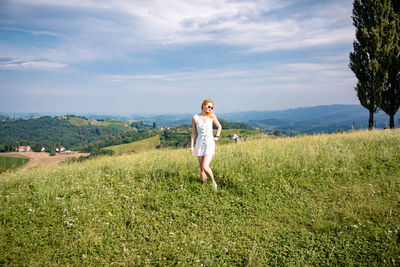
205 140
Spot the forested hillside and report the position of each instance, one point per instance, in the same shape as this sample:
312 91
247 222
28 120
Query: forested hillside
51 131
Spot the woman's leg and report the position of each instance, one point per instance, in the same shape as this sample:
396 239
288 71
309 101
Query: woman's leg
206 167
202 172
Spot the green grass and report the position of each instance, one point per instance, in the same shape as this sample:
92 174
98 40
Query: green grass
11 162
78 121
119 125
309 200
135 147
116 124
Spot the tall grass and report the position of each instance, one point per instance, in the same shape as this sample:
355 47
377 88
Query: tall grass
312 200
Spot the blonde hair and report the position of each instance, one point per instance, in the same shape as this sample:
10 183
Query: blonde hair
205 102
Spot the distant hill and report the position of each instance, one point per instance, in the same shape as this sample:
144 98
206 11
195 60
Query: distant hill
324 118
312 119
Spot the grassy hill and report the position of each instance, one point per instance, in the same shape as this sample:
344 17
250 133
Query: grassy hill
309 200
135 147
78 121
115 124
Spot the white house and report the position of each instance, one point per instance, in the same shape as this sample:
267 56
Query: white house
60 149
234 136
23 148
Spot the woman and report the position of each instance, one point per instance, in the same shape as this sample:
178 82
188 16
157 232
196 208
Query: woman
205 145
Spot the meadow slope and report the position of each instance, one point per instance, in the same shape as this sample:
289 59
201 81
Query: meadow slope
135 147
310 200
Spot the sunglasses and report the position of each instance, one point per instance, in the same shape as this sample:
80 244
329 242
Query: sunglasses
210 107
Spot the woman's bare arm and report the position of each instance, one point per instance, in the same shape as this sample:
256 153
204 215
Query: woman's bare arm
216 122
193 136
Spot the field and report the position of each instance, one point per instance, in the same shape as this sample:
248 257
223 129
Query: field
309 200
41 159
242 133
135 147
119 125
78 121
11 162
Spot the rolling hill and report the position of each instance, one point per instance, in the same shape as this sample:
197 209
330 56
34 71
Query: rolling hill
135 147
326 118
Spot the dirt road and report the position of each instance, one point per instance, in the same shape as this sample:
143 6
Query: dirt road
44 159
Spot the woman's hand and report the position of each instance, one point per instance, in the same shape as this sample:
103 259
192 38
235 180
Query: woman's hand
216 138
192 151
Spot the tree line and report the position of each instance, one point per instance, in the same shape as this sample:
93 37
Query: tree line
233 125
375 60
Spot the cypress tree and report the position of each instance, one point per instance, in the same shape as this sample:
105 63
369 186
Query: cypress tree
391 94
370 19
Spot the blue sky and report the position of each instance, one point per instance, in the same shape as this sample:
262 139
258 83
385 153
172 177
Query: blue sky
145 56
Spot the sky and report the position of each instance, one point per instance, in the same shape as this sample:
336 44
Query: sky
165 57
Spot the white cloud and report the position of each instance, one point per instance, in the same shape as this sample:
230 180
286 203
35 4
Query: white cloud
300 75
14 64
227 49
93 29
208 74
